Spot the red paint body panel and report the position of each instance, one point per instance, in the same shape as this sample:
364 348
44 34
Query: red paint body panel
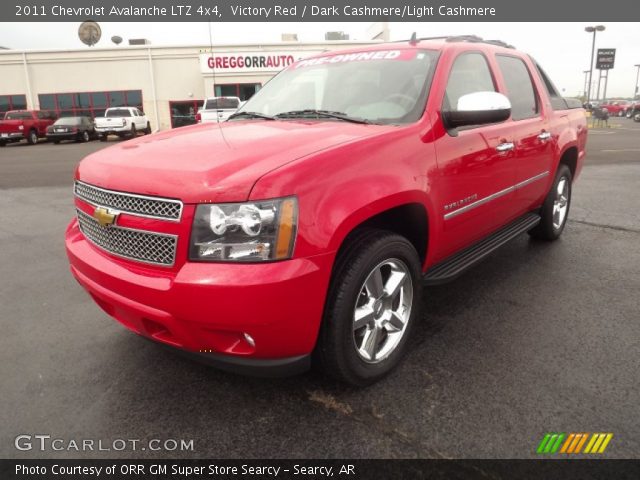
342 175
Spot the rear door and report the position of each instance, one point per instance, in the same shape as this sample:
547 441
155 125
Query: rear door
41 121
138 118
476 164
534 149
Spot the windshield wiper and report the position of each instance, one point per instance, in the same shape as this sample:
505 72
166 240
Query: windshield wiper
251 115
310 113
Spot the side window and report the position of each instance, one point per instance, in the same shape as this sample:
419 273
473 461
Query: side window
520 90
557 102
470 74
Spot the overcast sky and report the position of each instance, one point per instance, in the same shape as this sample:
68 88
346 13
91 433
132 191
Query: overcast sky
563 49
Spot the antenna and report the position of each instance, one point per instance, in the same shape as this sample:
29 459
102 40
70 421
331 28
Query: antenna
414 39
213 72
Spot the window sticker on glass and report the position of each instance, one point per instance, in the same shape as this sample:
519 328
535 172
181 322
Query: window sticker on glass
358 57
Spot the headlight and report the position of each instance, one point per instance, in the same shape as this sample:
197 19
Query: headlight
20 127
244 232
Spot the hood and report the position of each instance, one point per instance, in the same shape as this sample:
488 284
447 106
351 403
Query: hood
213 162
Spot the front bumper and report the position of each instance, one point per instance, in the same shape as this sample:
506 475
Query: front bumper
205 309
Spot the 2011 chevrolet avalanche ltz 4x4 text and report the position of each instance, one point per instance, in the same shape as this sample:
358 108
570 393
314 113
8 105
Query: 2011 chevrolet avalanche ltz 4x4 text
304 227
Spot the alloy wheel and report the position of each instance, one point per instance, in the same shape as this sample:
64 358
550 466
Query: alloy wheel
382 310
561 203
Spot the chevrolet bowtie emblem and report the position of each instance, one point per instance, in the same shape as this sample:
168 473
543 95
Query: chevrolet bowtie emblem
104 217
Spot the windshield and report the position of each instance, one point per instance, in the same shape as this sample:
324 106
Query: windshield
386 86
119 112
69 121
17 116
221 102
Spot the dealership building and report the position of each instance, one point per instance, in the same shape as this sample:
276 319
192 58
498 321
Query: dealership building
168 83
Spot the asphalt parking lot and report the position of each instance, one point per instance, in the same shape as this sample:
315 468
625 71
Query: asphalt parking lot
539 338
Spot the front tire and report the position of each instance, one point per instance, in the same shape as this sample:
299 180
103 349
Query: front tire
555 210
134 132
32 138
85 136
147 130
372 304
103 138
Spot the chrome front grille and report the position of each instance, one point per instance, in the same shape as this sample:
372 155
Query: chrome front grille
141 205
139 245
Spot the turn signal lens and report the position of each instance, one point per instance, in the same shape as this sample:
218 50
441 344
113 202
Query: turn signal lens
286 229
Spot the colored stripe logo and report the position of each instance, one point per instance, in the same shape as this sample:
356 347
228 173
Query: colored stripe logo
572 443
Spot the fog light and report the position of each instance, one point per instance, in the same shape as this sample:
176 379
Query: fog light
249 339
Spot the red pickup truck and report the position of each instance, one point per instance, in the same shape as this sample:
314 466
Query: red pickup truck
25 124
616 109
305 226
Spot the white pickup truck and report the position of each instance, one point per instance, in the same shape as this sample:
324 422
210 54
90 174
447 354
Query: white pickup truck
218 109
122 121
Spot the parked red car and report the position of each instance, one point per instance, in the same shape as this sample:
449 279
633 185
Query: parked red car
305 226
616 109
25 124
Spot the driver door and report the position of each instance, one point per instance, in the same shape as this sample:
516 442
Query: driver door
476 164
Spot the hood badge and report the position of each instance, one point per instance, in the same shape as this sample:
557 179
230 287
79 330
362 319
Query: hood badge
104 216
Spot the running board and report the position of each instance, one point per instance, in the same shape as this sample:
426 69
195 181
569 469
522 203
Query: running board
453 266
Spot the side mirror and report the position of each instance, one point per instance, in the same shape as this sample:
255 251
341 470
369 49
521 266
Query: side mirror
478 108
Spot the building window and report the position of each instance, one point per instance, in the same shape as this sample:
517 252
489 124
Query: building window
242 90
91 104
12 102
116 99
184 113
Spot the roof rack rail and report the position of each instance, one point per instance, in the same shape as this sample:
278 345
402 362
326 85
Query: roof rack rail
500 43
458 38
464 38
420 39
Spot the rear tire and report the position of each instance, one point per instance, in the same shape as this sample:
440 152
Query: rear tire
57 142
555 209
3 144
372 304
85 136
32 138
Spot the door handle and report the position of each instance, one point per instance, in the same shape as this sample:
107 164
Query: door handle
544 136
505 147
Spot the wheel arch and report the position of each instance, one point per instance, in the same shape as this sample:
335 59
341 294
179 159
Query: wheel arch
569 158
407 215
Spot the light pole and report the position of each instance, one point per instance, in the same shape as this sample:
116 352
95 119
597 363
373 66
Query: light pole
585 85
594 30
635 92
